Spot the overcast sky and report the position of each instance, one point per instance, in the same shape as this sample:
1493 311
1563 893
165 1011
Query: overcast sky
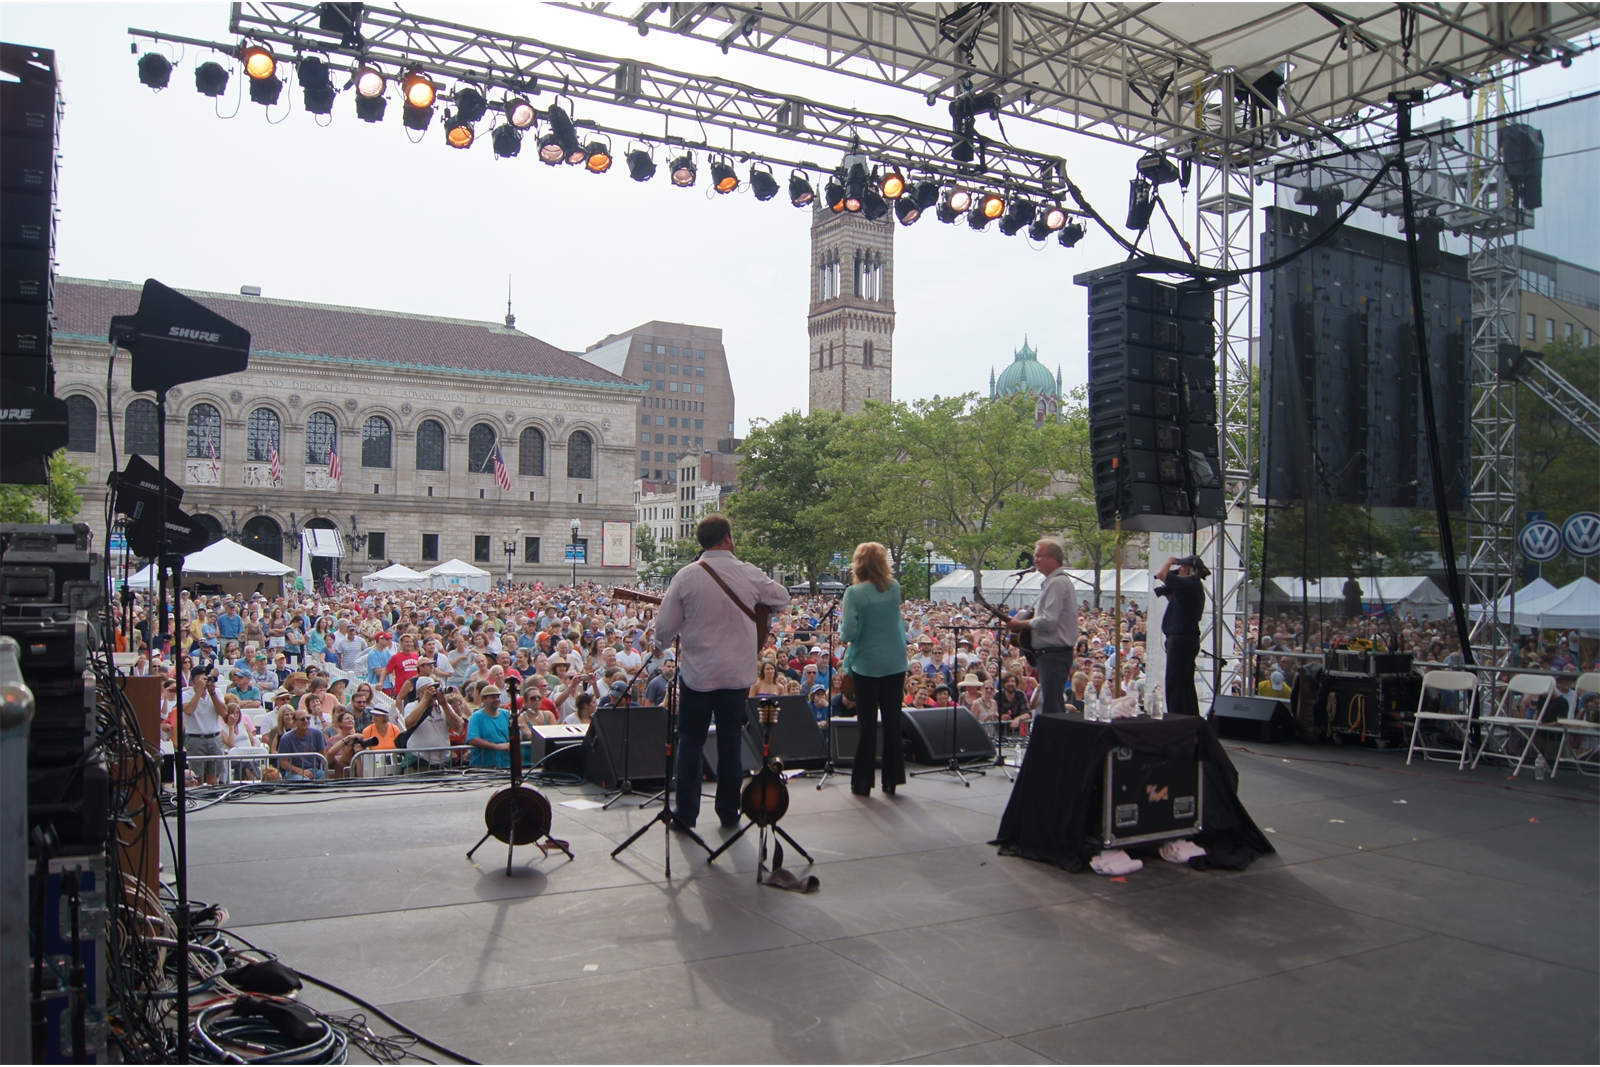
158 185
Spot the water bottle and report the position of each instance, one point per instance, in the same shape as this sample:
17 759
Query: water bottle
1157 708
1539 769
1091 704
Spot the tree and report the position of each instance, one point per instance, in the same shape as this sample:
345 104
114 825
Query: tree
783 478
880 492
646 543
59 500
985 472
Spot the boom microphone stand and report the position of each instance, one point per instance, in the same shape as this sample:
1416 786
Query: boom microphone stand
828 770
665 816
954 766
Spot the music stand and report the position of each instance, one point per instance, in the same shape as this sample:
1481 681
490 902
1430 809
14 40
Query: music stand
827 770
625 786
665 815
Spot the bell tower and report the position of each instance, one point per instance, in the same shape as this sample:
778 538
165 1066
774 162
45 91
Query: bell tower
851 321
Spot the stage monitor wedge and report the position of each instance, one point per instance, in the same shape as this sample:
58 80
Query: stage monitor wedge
175 339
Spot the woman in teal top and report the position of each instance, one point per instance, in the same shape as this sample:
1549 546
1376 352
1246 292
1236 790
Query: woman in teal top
876 659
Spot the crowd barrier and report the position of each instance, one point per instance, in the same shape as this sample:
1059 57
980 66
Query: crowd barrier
246 764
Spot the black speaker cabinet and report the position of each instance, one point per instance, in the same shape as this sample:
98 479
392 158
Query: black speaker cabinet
1252 719
1146 798
1369 711
749 754
625 745
928 739
796 738
846 735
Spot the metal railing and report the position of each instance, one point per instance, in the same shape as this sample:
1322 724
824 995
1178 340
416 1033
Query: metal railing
256 760
393 762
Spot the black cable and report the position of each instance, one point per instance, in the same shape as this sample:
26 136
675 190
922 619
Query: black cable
1441 511
352 998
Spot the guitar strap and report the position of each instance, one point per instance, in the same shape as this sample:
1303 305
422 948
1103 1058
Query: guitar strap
715 577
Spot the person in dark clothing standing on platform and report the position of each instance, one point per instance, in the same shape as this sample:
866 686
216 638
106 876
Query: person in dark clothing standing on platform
1186 599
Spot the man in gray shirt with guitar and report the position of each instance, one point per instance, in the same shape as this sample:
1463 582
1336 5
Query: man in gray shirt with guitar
1054 626
719 607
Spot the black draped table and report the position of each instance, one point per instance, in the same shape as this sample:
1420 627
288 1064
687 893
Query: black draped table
1055 795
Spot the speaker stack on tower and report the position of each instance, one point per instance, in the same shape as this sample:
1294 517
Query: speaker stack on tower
1152 400
33 423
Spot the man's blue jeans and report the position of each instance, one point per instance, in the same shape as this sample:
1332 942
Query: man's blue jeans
696 711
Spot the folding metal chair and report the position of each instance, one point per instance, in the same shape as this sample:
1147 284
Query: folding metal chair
1442 682
1588 685
1508 717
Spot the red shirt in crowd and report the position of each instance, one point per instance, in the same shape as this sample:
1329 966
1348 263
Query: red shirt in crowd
404 666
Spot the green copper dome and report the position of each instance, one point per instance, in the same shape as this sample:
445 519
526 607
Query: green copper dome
1026 374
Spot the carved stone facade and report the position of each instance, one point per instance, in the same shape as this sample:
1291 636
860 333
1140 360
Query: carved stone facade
851 321
406 435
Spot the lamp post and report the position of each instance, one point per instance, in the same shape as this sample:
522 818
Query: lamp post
572 550
927 551
358 540
511 551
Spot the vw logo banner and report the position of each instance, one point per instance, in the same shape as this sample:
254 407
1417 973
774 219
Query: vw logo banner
1581 534
1540 541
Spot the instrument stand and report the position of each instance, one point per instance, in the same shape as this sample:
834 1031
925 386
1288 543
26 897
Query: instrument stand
762 865
514 813
665 816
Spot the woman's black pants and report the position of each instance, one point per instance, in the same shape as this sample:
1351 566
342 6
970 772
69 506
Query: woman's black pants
878 700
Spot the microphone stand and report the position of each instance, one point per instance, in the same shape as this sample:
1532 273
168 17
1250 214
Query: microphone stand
954 766
999 727
665 816
625 786
828 769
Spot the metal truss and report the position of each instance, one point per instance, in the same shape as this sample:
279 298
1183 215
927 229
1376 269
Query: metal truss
686 109
1226 240
1564 398
1140 74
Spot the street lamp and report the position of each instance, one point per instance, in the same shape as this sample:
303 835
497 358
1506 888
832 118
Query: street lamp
927 550
572 551
511 551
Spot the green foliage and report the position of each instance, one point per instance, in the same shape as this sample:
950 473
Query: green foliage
645 540
57 501
1557 465
880 498
784 475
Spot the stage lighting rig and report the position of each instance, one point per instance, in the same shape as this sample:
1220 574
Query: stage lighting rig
1157 168
763 184
155 70
684 171
963 110
265 91
977 219
1019 214
370 108
258 62
419 92
470 104
801 194
550 151
956 203
873 205
1140 204
723 177
520 112
506 140
565 135
597 157
457 132
316 85
893 184
1070 234
211 79
916 202
855 186
369 82
641 167
833 194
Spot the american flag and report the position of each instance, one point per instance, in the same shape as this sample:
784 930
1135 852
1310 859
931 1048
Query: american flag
334 470
502 476
211 443
275 470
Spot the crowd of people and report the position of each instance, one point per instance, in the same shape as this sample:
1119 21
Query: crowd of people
337 673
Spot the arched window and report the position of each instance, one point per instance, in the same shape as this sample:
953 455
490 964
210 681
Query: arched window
480 442
82 425
205 432
262 435
139 436
580 455
866 354
212 526
430 446
376 442
263 535
530 453
322 436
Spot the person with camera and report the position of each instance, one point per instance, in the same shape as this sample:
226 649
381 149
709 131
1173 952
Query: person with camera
344 744
429 720
1181 580
202 721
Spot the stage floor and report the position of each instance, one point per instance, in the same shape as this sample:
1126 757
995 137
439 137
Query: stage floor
1411 915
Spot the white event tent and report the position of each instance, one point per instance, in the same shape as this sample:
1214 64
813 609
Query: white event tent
1415 595
393 578
998 584
455 574
220 559
1575 606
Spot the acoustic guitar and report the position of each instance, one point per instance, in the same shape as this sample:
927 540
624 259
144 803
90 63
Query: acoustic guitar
1022 639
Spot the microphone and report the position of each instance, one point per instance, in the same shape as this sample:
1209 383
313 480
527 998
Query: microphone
1025 570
